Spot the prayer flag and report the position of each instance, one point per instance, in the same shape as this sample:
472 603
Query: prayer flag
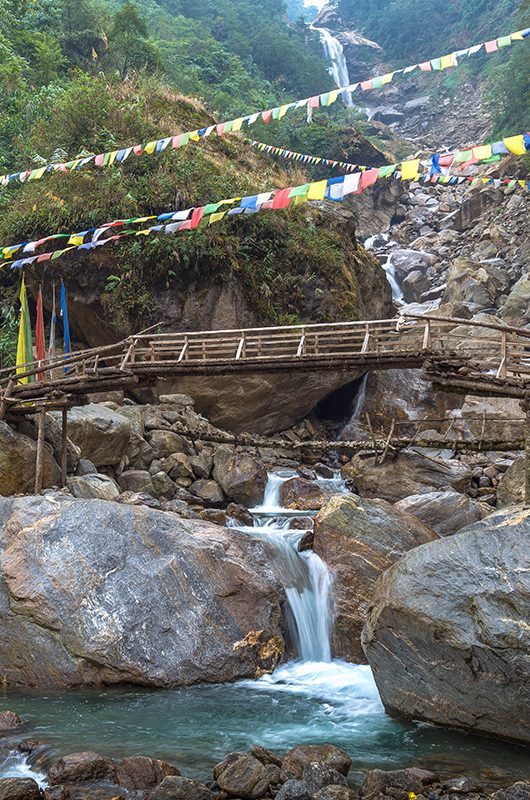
504 41
317 191
24 345
368 178
39 335
366 85
515 145
483 152
491 47
281 198
67 347
409 170
426 66
51 345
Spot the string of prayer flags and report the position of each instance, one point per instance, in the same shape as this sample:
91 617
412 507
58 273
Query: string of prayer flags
435 169
110 158
40 346
67 345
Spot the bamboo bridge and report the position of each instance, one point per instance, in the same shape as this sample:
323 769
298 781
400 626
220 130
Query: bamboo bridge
457 355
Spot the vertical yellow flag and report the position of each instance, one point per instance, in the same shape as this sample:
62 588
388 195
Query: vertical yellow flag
24 341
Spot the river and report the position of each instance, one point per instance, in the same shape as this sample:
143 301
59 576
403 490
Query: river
312 699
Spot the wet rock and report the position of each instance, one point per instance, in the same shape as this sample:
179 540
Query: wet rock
405 261
145 597
303 495
446 636
101 434
381 782
244 777
19 789
295 760
240 513
209 491
359 539
142 772
17 463
241 477
411 472
85 792
81 767
265 756
510 491
315 776
517 791
334 793
215 515
9 720
179 788
294 790
93 487
445 512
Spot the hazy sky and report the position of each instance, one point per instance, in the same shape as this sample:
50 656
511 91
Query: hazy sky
317 3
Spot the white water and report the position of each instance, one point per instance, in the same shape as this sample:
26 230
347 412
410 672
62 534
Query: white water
308 586
16 765
334 53
352 426
397 293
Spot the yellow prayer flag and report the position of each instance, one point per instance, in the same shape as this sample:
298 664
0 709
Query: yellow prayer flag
94 54
447 61
387 78
194 136
409 170
283 111
517 36
237 124
75 239
332 97
23 357
515 145
149 148
216 217
483 152
317 191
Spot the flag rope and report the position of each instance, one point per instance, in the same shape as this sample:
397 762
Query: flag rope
194 218
114 157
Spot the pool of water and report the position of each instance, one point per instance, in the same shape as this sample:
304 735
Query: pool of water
300 703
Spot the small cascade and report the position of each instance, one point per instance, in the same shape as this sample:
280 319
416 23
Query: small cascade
16 765
352 426
397 293
338 68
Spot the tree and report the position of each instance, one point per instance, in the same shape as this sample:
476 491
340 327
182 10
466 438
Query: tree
130 47
49 59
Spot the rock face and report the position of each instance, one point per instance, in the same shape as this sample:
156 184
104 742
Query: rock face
241 477
445 512
101 593
101 434
448 637
510 491
17 463
359 539
303 495
410 473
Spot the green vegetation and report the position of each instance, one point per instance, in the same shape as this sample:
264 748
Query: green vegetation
412 30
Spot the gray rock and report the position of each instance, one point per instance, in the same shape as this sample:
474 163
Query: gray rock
334 792
359 539
163 485
136 480
179 788
516 308
412 472
294 790
142 772
93 487
315 776
17 463
518 791
209 491
510 491
241 477
86 467
177 400
244 777
144 597
165 443
9 720
447 637
445 512
101 434
81 767
380 782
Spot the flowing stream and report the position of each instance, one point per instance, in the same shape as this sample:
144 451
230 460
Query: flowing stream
311 699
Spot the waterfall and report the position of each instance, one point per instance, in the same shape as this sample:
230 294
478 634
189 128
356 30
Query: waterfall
397 293
352 426
306 578
334 53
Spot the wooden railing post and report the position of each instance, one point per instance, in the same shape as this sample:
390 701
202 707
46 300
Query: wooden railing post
301 344
241 347
427 335
39 456
526 407
503 367
366 341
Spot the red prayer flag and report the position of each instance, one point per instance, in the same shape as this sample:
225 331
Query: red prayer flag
366 85
98 161
39 335
314 102
281 199
368 178
196 217
266 116
426 66
491 47
137 150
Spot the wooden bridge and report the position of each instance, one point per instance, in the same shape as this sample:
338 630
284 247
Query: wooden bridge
457 355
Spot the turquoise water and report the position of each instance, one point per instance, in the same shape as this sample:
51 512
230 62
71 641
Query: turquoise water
301 703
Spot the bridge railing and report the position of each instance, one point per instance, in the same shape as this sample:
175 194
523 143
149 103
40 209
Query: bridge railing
489 348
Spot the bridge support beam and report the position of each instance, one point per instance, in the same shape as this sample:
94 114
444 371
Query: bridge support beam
39 459
526 406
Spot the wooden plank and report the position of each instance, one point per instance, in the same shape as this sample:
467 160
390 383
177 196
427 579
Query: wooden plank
39 456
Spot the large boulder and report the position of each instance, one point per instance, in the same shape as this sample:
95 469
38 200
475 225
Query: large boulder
241 477
445 512
480 284
516 307
411 472
17 463
510 491
96 593
359 539
303 495
448 638
93 487
101 434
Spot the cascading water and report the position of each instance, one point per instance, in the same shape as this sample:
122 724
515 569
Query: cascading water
397 293
334 53
352 426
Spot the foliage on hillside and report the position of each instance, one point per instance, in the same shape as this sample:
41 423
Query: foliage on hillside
411 30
